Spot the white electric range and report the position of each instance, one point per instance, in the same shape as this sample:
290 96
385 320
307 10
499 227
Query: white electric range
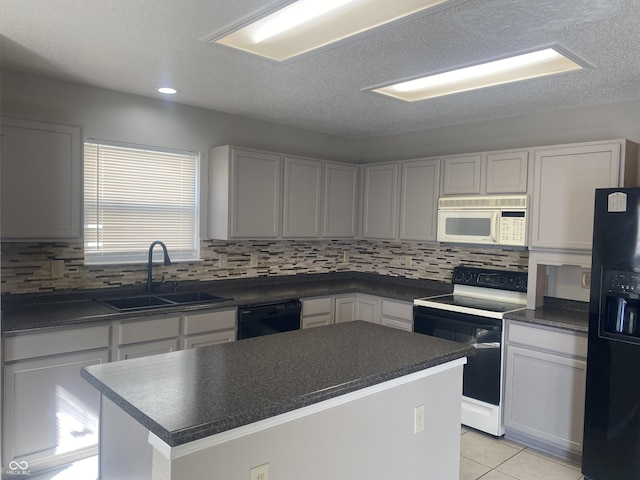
473 314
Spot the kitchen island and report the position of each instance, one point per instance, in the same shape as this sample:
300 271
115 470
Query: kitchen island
354 400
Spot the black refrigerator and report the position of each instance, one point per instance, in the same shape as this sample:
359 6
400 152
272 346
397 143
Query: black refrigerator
611 448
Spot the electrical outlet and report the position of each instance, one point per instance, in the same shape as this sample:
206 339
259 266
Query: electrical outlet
345 257
57 268
254 260
408 261
418 419
223 261
260 472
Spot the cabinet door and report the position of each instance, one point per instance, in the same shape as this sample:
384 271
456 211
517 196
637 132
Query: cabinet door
368 309
380 201
345 309
507 172
565 180
340 193
255 194
462 175
41 180
419 199
302 192
544 397
50 413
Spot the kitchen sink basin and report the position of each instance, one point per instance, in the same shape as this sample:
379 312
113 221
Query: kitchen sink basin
142 302
191 297
145 302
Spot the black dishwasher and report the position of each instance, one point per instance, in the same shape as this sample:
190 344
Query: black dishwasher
268 318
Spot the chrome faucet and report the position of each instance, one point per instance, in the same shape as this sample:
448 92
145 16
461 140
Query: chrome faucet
167 261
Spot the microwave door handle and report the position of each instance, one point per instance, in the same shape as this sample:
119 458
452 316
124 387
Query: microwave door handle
494 226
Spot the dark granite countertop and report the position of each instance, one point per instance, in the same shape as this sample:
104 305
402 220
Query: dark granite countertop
191 394
27 312
565 315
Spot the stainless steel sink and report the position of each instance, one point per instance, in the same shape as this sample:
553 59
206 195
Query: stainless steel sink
146 302
191 297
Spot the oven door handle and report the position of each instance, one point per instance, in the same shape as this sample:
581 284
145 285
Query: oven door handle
485 346
463 323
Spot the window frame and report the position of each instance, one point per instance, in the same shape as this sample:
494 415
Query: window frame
96 257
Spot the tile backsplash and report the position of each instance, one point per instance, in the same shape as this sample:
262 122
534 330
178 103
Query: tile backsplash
26 267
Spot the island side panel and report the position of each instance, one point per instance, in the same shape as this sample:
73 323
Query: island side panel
371 437
125 452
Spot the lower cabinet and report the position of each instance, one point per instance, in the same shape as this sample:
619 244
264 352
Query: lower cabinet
317 312
397 314
545 388
50 414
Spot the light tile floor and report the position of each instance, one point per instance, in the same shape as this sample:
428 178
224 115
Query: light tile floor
486 457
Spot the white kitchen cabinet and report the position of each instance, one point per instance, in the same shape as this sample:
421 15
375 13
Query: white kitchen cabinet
545 387
340 200
317 312
507 172
50 413
367 308
397 314
245 190
419 191
345 309
146 336
380 201
209 328
302 198
462 174
565 179
492 173
41 180
137 350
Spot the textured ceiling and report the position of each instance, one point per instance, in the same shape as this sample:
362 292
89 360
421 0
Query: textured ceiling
134 46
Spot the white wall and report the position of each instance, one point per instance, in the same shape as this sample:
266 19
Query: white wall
617 120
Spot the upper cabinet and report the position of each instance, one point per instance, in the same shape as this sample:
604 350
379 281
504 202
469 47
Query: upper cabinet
420 182
380 200
400 200
302 198
507 172
340 200
255 194
486 173
565 179
462 175
41 181
244 193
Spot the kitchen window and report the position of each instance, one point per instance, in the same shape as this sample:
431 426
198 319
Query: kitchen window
135 195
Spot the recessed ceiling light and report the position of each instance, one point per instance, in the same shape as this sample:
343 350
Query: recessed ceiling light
306 25
167 90
539 63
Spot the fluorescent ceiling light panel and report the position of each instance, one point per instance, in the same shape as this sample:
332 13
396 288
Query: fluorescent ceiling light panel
540 63
306 25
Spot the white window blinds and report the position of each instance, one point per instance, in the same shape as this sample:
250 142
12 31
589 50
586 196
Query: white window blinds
134 196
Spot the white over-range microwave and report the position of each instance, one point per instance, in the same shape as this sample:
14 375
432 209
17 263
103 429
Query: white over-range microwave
483 220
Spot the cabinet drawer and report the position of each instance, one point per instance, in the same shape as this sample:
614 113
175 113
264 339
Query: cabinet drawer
399 324
547 339
316 320
210 339
146 330
54 343
397 309
145 349
316 306
210 321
